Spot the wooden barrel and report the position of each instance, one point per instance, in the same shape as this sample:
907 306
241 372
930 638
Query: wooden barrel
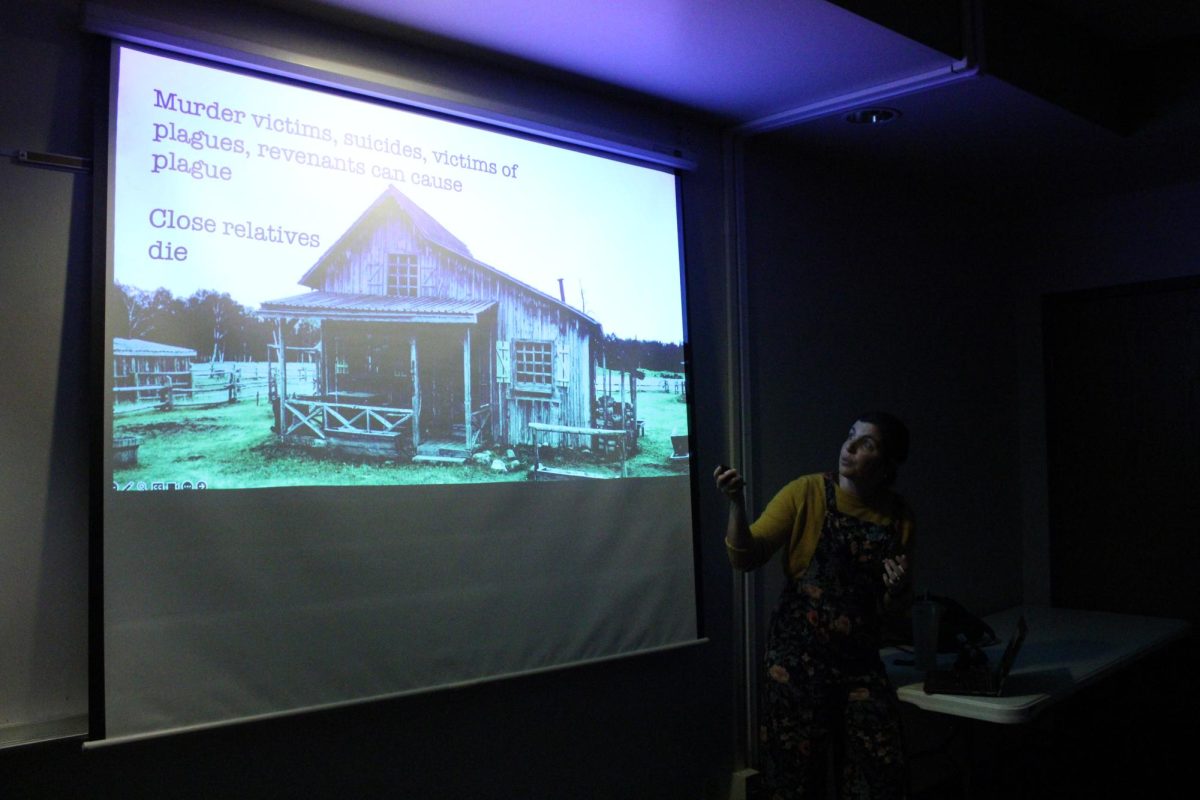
125 449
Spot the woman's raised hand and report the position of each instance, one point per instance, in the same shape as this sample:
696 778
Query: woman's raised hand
729 481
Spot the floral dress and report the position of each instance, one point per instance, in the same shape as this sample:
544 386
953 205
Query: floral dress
825 682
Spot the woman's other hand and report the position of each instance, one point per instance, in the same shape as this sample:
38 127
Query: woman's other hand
895 573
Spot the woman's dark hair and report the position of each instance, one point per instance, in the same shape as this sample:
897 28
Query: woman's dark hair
894 432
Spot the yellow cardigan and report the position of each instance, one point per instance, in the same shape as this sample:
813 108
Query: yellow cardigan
794 517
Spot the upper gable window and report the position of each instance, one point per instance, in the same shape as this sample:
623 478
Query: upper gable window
403 275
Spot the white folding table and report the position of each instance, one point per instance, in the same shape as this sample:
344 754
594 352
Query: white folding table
1064 651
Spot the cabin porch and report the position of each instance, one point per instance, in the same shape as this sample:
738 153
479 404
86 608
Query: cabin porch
394 390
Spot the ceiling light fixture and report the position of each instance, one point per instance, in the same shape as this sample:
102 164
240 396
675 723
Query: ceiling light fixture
872 116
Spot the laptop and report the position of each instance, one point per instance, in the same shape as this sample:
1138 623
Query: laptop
981 680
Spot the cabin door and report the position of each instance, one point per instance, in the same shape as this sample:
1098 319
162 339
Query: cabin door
451 375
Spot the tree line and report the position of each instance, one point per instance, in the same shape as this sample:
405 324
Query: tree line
219 328
633 354
212 323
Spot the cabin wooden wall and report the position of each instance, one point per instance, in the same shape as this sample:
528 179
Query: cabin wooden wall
520 314
358 269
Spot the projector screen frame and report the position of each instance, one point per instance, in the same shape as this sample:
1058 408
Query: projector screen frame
362 89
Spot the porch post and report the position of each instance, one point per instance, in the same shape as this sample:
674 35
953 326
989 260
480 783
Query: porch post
493 388
416 398
467 382
322 367
282 375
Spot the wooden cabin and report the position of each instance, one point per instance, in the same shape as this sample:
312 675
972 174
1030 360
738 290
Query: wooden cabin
146 371
421 344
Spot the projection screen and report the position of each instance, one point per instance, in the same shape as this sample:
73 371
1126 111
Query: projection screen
395 402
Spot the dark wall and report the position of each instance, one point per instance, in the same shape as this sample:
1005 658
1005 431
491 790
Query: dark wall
657 725
1086 243
877 287
869 290
44 349
647 726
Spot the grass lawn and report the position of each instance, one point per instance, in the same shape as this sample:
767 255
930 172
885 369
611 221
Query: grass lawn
664 414
232 446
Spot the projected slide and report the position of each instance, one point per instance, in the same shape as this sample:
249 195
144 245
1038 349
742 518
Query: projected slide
313 289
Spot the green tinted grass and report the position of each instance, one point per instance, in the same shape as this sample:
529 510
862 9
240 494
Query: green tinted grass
233 446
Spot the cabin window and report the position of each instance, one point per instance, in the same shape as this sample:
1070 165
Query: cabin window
403 275
533 365
341 366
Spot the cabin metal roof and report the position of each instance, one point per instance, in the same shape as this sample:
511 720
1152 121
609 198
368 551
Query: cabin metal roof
141 347
377 308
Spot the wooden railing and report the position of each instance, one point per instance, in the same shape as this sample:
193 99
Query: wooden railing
208 393
603 433
479 419
322 417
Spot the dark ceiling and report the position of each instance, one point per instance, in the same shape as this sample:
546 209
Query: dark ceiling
1071 95
1074 98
